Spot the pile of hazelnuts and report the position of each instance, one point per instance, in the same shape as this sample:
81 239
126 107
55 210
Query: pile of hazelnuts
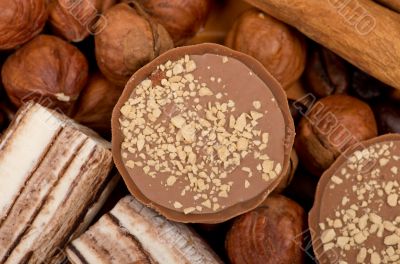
75 56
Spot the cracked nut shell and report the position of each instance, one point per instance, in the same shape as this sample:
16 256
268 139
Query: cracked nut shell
272 233
333 124
47 70
130 40
278 47
20 21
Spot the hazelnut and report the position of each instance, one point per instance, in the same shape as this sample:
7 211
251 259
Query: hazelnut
366 87
333 124
47 70
302 188
20 21
387 115
181 18
130 40
3 123
285 182
7 112
75 20
326 73
297 109
96 103
272 233
296 90
223 14
280 48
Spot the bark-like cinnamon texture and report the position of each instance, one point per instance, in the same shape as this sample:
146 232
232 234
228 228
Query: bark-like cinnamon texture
363 32
392 4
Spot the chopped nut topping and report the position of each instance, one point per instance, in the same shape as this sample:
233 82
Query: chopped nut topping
360 222
195 144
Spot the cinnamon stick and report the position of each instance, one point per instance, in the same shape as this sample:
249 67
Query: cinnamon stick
361 31
392 4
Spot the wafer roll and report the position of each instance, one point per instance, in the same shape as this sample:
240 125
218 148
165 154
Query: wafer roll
133 233
51 172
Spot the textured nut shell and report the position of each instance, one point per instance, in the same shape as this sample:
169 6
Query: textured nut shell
270 234
333 124
74 20
45 70
285 182
277 46
181 18
20 20
326 73
127 43
222 16
96 103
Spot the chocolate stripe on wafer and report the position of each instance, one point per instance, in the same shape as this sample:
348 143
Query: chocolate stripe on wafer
51 171
86 218
132 225
28 141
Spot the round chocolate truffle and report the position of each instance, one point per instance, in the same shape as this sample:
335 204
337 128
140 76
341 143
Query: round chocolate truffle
202 134
355 218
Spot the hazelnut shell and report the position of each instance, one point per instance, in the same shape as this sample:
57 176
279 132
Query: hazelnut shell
75 20
129 41
96 103
272 233
333 124
181 18
278 47
47 70
20 21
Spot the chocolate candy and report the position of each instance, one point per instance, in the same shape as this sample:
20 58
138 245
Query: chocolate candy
202 134
355 216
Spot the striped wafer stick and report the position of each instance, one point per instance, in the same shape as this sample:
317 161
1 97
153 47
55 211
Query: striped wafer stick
51 173
133 233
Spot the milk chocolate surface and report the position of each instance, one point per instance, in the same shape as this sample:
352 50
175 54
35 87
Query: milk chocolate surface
202 134
355 218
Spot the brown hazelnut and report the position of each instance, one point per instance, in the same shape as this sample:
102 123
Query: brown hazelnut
387 115
7 112
223 14
47 70
181 18
367 88
272 233
326 73
130 40
20 21
75 20
2 120
296 90
302 188
280 48
285 182
96 103
333 124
